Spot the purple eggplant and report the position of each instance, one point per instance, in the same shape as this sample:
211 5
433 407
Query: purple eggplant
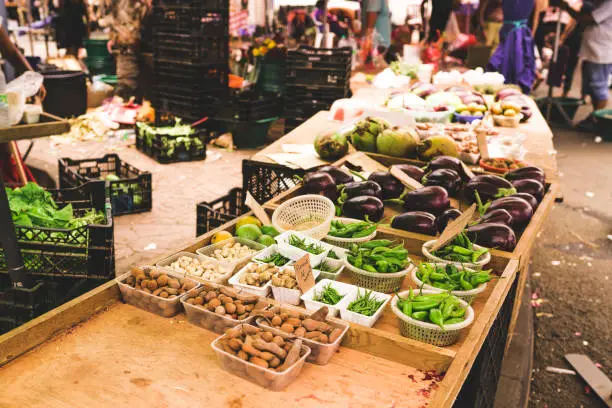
411 170
529 186
488 187
361 188
447 162
493 235
498 215
362 206
433 199
529 172
448 179
391 187
415 221
446 217
527 113
321 184
529 198
339 176
519 209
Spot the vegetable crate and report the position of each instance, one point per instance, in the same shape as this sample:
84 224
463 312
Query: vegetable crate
203 4
82 252
171 149
129 189
250 106
267 180
213 214
180 22
191 50
318 66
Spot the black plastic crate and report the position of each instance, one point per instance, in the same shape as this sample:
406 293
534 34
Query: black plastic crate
22 304
84 252
213 214
184 22
172 149
303 93
186 108
250 106
292 123
309 57
317 76
131 193
203 77
267 180
195 50
204 4
7 324
304 108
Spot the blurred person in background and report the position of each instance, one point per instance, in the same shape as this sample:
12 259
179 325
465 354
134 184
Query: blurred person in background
440 13
71 25
596 54
491 18
338 27
127 25
377 28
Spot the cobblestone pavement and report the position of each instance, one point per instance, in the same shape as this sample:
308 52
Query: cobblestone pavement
177 188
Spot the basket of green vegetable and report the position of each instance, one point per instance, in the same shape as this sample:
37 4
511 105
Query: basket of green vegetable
460 251
465 283
329 268
430 317
66 232
380 265
346 231
294 245
364 307
171 144
327 293
129 189
272 256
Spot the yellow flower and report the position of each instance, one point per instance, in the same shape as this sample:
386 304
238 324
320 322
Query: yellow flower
271 44
267 41
256 52
263 50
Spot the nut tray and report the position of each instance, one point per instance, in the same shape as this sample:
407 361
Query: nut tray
259 375
208 251
201 317
319 353
148 302
225 273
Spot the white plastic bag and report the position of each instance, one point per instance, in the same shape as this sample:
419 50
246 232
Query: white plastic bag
25 86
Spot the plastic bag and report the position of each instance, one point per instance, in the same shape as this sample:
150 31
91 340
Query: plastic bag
25 86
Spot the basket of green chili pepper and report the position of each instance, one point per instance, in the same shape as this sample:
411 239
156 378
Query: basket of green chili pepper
364 307
329 268
460 251
380 265
346 231
465 283
430 317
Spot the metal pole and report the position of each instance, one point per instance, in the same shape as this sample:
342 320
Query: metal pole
554 61
8 239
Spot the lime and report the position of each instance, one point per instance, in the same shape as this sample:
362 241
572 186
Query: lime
249 219
220 236
248 231
269 230
266 240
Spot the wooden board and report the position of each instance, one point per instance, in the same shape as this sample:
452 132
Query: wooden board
48 125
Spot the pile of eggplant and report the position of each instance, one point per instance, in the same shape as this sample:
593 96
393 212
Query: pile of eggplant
506 204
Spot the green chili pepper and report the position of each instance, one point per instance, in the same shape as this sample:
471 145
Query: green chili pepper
435 315
376 243
426 305
421 316
448 307
407 308
370 268
465 284
454 320
459 312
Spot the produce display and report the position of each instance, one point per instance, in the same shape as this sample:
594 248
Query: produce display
224 301
157 283
329 295
441 309
379 256
311 248
255 274
461 250
451 277
365 304
203 268
301 325
232 252
285 278
275 259
262 348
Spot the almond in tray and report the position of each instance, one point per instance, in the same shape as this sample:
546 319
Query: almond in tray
157 283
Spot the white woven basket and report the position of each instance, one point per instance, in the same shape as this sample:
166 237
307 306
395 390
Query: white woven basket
429 332
346 242
378 282
302 209
484 259
467 295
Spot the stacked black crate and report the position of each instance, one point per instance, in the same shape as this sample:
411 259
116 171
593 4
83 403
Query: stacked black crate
314 79
191 51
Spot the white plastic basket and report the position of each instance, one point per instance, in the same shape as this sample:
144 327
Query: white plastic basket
269 251
313 305
334 263
261 291
429 332
222 268
295 253
302 209
478 265
287 295
379 282
208 251
346 242
358 318
467 295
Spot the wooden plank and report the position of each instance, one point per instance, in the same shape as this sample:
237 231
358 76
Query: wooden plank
29 335
461 365
49 125
596 378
